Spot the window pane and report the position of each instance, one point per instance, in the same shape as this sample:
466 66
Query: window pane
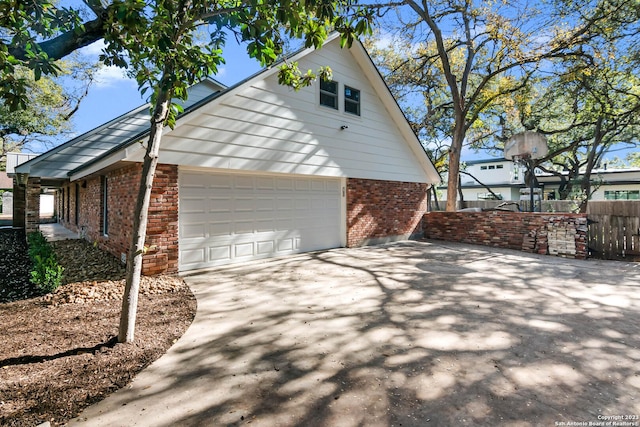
329 100
353 94
351 100
329 86
351 107
634 195
329 94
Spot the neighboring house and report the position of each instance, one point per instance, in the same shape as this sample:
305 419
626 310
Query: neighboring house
608 184
6 197
252 171
506 180
6 187
6 183
503 177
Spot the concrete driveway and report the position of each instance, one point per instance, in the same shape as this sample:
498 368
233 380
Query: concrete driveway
406 334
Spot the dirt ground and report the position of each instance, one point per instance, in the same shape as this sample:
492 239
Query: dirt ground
59 352
406 334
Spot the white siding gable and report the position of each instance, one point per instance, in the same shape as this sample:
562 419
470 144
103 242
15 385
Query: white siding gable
266 127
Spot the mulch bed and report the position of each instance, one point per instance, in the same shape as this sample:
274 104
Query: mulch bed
59 352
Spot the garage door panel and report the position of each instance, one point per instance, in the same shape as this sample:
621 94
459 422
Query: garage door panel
220 182
191 181
243 227
193 230
318 186
244 182
220 253
265 183
244 203
217 229
219 203
265 247
285 245
192 256
284 204
232 218
243 250
302 185
192 205
265 203
266 225
284 184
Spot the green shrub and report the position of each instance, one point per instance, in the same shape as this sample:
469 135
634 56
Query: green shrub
38 245
46 273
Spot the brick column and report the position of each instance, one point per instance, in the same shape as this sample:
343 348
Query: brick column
162 226
19 204
32 220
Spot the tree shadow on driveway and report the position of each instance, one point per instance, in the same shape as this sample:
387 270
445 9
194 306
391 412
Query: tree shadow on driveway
410 334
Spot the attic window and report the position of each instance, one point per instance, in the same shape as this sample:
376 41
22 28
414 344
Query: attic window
329 94
351 100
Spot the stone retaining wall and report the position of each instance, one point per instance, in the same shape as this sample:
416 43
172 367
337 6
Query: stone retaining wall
559 234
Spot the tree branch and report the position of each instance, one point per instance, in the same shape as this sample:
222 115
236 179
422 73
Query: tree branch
66 43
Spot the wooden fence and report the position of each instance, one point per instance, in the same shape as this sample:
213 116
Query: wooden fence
614 229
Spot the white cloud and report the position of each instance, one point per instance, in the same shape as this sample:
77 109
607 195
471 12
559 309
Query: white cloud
105 76
110 76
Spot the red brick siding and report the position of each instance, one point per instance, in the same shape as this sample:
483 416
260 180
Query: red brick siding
19 204
32 211
379 210
561 234
122 185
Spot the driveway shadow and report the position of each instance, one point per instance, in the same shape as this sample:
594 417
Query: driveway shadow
410 334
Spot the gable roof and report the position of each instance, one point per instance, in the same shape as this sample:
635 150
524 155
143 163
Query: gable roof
57 163
123 147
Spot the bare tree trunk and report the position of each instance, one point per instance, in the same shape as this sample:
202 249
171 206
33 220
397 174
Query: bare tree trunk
137 248
454 165
592 158
434 191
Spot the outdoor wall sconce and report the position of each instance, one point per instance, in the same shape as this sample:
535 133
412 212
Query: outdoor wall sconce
343 127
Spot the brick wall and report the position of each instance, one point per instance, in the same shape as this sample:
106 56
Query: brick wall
122 185
19 204
32 211
561 234
379 211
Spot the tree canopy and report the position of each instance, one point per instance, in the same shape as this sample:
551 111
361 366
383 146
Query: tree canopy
48 110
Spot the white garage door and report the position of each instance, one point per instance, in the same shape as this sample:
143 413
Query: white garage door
226 218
